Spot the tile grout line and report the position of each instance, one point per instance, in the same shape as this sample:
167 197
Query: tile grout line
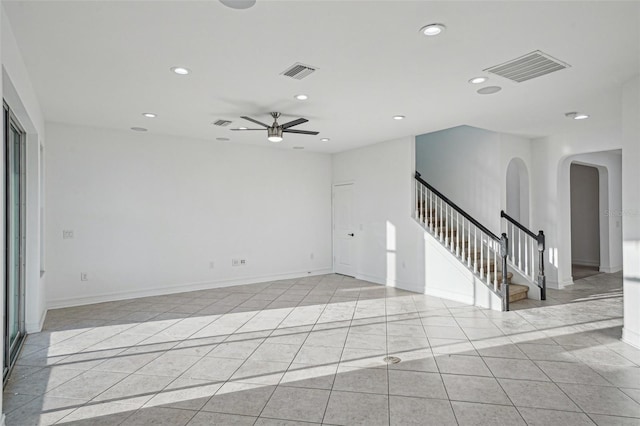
554 317
493 375
294 357
129 374
326 408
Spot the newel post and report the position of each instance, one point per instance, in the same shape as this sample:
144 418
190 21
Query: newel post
542 280
504 250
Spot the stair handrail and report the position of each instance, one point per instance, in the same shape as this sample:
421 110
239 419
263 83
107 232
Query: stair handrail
501 244
517 224
540 240
456 207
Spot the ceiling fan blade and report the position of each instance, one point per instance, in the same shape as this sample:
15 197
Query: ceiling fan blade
246 129
255 121
302 132
293 123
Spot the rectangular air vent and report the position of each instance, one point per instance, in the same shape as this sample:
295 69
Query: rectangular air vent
298 71
531 65
222 123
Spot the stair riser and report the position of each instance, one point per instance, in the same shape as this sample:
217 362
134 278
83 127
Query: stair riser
517 297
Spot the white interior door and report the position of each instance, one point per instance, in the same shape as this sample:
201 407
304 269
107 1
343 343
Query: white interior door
343 230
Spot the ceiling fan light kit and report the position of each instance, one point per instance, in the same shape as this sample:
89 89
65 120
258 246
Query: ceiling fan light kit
274 134
238 4
275 131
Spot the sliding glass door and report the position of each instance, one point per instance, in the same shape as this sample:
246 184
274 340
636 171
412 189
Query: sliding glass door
14 198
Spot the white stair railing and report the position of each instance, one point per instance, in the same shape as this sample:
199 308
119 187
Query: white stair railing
473 244
526 252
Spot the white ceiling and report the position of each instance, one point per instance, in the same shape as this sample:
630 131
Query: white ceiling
105 63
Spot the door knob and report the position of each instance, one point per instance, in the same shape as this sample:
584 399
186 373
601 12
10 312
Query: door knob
351 235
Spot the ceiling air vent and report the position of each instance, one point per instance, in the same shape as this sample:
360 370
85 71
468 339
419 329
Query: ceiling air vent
222 123
531 65
298 71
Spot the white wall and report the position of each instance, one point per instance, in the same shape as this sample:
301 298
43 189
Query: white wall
631 210
585 215
388 244
550 203
609 164
391 248
17 91
149 213
463 163
516 150
21 98
469 166
513 191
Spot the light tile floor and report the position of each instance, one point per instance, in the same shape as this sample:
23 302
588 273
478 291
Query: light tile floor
311 351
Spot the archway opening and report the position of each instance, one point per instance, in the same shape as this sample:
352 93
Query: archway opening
585 220
517 205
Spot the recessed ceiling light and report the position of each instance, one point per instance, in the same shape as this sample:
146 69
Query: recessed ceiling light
325 140
223 139
489 90
180 70
398 117
238 4
301 97
138 129
149 114
432 29
298 147
577 115
242 128
478 80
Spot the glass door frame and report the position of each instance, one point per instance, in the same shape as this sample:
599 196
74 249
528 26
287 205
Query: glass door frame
11 127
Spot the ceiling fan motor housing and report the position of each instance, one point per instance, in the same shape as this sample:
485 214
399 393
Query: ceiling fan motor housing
274 132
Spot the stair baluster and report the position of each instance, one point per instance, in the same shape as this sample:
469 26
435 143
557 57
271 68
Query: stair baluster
525 261
495 270
469 244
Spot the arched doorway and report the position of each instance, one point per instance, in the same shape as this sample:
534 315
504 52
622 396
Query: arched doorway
586 205
609 206
517 181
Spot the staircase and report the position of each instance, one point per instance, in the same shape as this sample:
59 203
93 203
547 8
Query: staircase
482 252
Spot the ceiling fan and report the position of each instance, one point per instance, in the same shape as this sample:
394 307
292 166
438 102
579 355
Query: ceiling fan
275 131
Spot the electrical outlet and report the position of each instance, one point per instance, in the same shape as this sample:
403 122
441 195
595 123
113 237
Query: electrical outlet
84 276
311 256
67 234
211 265
243 262
235 262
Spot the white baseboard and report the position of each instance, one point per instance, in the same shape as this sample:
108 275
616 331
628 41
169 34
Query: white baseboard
2 419
565 283
631 337
610 269
430 291
442 294
181 288
583 262
402 285
36 327
371 278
